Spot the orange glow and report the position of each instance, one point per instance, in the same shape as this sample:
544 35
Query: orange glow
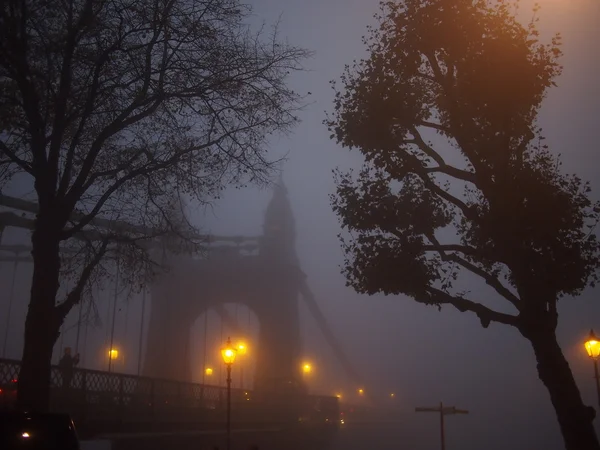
592 345
113 354
361 391
307 368
228 353
208 371
242 348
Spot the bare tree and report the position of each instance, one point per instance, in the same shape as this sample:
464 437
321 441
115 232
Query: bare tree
458 187
115 107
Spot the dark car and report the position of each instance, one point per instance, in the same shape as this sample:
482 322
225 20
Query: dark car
37 431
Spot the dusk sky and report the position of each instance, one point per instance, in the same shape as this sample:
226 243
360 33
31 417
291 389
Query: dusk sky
422 355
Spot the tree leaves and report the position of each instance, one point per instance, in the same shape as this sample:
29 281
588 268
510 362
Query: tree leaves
492 201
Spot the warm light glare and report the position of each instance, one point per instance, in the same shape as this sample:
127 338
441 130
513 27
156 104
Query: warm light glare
361 391
392 395
592 345
208 371
242 348
113 354
338 395
228 353
306 368
25 435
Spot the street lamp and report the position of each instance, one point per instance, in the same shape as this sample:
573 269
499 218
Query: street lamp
592 346
361 391
208 371
113 355
228 353
306 368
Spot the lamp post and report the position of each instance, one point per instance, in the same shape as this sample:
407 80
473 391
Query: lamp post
592 346
228 353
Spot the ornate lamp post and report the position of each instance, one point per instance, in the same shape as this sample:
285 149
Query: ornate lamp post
592 346
228 353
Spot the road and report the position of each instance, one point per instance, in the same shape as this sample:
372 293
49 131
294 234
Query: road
365 436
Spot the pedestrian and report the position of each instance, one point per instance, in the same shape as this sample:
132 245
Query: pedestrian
67 366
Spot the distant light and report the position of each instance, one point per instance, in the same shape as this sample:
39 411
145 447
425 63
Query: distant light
342 421
392 395
113 353
306 368
25 435
208 371
242 348
361 391
338 395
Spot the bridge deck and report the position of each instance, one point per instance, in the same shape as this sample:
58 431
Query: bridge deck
102 402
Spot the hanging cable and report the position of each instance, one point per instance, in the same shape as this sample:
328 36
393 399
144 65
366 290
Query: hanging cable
114 316
141 341
10 301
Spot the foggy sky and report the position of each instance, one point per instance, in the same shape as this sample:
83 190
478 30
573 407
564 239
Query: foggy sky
421 354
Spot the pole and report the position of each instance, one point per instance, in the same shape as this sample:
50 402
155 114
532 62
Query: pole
9 311
442 426
597 379
204 352
78 326
85 331
114 315
228 446
141 331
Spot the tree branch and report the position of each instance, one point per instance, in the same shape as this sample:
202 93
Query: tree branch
489 278
485 314
14 158
75 295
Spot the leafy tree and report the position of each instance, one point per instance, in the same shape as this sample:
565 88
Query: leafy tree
457 183
113 109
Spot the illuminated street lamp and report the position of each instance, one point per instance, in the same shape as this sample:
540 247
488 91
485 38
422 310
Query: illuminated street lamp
306 368
242 348
361 391
208 371
392 395
113 355
592 346
228 353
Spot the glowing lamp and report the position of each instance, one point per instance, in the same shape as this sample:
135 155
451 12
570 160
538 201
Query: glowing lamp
25 435
113 353
306 368
228 353
338 395
242 348
392 395
592 345
361 391
208 371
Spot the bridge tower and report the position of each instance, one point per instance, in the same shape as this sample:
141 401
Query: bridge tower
268 283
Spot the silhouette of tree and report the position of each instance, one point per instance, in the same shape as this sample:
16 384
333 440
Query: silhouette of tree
115 108
457 184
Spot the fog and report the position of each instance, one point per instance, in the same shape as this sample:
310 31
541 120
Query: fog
421 354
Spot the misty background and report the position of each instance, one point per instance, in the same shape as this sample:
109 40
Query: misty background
422 355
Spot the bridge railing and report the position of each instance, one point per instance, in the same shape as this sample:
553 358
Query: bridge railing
95 397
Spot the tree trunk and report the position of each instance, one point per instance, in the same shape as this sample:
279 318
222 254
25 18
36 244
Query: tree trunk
575 418
42 325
